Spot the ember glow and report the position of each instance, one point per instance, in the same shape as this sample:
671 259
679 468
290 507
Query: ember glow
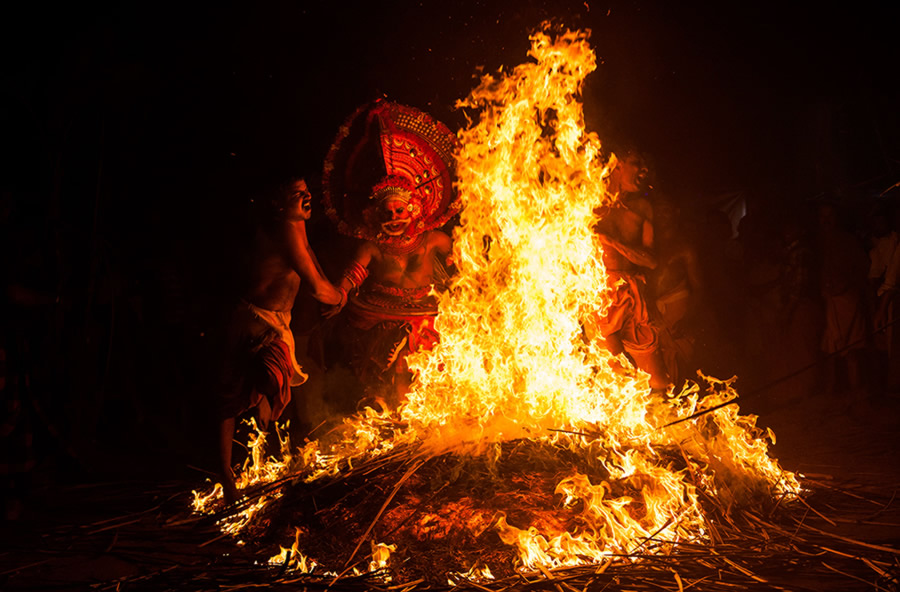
515 361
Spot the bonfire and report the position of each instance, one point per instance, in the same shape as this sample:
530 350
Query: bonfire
523 446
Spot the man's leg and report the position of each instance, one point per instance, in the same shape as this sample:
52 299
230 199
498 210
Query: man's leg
402 383
652 363
226 442
613 343
264 414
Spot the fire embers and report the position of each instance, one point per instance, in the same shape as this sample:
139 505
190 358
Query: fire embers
530 503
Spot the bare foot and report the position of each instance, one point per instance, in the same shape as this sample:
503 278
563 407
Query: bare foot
230 492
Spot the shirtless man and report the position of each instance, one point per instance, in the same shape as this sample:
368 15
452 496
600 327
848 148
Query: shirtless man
259 363
625 232
392 279
389 180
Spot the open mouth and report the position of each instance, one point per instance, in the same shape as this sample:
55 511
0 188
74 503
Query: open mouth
394 227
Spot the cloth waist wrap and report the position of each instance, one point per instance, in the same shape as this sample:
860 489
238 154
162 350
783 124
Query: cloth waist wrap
260 361
628 316
280 321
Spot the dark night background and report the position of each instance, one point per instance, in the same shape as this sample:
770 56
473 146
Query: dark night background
134 132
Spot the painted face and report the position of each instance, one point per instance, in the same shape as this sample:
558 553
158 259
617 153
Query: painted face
395 215
300 201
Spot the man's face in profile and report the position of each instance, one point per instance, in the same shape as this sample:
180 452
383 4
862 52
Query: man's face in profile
631 171
300 201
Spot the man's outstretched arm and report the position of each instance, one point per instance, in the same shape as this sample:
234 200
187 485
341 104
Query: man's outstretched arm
304 262
641 256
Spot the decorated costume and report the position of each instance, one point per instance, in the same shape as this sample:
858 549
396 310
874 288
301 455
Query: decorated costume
387 151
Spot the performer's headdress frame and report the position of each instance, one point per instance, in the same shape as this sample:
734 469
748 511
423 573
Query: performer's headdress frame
386 149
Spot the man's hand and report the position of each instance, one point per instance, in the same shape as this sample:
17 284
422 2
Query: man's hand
332 311
337 308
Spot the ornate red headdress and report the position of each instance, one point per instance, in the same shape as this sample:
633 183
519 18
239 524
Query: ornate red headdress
389 149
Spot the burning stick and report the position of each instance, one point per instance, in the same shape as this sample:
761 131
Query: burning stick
397 487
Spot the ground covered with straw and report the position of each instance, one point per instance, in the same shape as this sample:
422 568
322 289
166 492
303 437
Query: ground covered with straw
843 534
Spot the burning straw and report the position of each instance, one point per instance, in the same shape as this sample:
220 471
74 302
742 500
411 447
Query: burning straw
524 446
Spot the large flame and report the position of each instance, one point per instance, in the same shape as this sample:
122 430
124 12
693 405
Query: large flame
515 360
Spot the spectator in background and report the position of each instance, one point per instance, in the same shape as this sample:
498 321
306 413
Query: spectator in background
883 240
844 267
886 334
800 313
759 280
678 292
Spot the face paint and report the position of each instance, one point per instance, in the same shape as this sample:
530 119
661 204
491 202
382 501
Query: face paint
395 215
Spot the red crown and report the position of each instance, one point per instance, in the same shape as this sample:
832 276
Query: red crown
386 147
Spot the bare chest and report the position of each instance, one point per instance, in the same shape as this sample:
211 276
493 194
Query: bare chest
629 226
404 269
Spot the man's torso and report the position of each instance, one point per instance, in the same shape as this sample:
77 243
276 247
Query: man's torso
414 269
626 223
273 284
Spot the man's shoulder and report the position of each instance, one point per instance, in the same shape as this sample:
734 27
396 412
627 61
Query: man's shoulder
370 250
281 230
436 235
437 239
641 206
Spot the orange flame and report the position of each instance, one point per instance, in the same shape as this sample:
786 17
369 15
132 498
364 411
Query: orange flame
513 360
381 554
295 560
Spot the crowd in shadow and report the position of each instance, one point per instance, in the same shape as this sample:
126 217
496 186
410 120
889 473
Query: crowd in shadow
798 300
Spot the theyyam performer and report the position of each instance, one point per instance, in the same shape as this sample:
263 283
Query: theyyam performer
389 181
